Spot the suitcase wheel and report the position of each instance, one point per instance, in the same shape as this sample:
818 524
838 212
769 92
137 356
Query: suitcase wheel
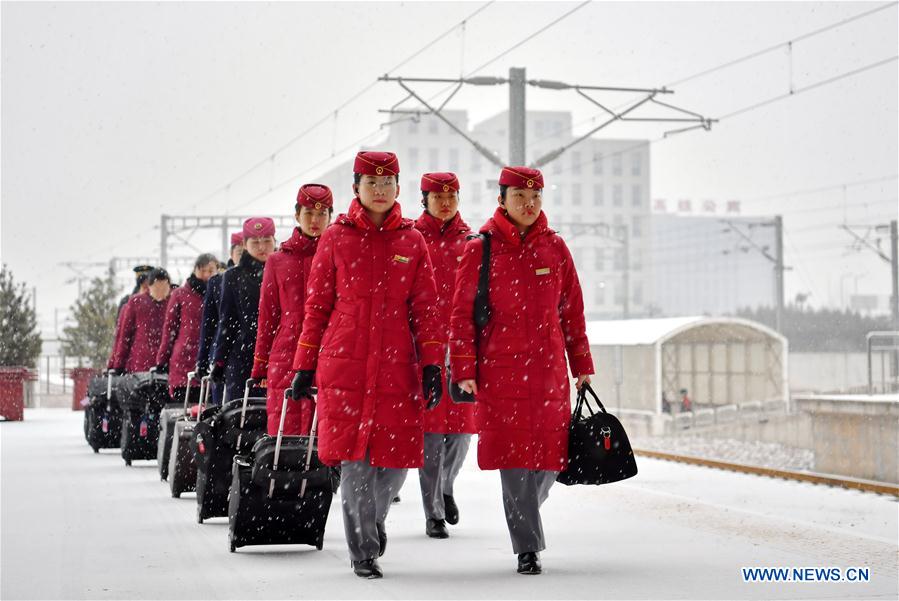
96 449
128 462
233 548
199 514
176 494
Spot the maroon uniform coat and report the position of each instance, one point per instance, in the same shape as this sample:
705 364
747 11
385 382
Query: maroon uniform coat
537 315
140 331
371 325
181 332
445 245
281 314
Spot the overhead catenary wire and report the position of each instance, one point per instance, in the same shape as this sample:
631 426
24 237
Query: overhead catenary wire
518 44
755 54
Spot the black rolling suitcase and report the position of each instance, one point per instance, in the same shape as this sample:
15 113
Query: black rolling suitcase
167 418
222 433
281 493
142 396
182 463
102 416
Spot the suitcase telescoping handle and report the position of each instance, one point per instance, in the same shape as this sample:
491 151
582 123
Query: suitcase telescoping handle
243 409
288 394
205 387
190 378
309 450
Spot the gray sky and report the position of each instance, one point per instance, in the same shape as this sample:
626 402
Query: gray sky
113 113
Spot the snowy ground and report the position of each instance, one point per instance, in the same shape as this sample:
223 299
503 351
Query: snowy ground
80 525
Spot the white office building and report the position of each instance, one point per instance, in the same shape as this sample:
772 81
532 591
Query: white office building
702 266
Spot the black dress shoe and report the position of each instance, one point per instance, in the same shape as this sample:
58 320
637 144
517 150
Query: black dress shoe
367 568
452 512
529 563
382 539
396 499
436 528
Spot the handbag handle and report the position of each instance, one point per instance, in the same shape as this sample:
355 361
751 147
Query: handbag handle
582 401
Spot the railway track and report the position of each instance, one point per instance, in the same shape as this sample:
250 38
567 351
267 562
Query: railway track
884 488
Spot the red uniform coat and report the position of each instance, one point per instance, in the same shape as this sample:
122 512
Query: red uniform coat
181 334
537 315
445 245
281 314
140 331
370 326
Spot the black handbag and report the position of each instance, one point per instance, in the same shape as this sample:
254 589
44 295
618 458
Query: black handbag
481 310
598 449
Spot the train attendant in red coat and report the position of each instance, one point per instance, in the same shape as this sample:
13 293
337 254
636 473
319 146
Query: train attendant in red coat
448 428
140 327
372 343
281 308
515 366
177 352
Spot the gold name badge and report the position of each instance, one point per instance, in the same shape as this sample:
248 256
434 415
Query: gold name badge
400 259
542 271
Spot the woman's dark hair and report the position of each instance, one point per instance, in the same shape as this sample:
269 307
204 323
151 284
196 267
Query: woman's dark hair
357 177
158 274
502 191
424 198
204 260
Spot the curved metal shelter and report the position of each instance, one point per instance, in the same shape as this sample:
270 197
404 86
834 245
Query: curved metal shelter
719 360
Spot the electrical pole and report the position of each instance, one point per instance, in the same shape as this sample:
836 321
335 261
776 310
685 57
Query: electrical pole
226 241
517 116
626 275
894 264
163 241
779 269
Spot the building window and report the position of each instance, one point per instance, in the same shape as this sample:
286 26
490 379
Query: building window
600 259
576 163
616 195
454 159
636 196
599 295
636 226
576 194
618 260
638 293
636 260
413 158
637 165
619 294
475 161
557 166
598 199
557 129
597 164
616 164
432 125
413 126
540 130
433 160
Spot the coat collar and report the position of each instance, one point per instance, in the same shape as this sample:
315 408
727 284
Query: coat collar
357 217
501 225
428 223
299 243
250 264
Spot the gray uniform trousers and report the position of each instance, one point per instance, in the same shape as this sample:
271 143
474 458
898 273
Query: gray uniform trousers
444 456
524 491
366 494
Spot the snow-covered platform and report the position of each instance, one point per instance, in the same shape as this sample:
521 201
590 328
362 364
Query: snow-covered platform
78 525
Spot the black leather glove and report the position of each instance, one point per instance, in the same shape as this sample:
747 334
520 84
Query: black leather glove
218 372
162 368
202 370
432 385
302 383
114 372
